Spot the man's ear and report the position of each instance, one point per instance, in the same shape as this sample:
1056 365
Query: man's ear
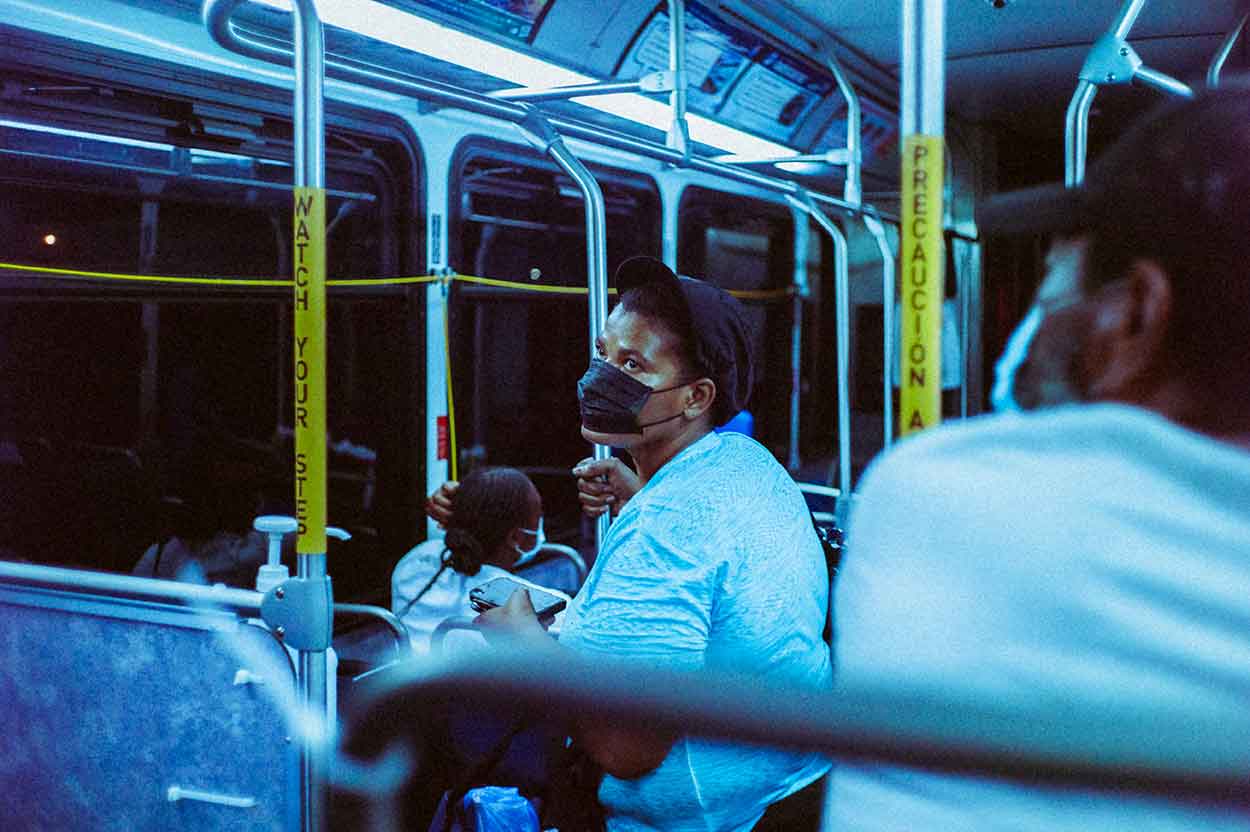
699 398
1129 334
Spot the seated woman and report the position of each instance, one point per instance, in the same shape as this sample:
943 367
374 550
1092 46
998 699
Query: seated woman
496 521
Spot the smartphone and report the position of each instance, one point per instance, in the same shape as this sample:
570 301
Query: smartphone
497 591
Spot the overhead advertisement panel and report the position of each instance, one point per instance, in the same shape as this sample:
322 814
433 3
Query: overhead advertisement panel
513 18
878 132
733 75
773 96
715 57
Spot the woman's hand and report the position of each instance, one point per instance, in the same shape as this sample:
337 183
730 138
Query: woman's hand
514 622
604 485
439 504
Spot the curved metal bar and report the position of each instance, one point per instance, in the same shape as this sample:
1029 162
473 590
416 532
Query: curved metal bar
387 617
1076 133
1076 123
543 135
1226 49
842 314
240 601
439 634
1129 742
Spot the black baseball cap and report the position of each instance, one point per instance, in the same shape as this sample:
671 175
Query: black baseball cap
1182 169
722 338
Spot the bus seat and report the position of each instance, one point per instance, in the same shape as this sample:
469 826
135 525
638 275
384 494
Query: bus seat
557 566
127 714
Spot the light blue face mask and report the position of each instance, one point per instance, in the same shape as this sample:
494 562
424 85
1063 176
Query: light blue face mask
1002 396
540 540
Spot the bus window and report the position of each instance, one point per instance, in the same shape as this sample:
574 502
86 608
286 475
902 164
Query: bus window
516 355
741 243
111 385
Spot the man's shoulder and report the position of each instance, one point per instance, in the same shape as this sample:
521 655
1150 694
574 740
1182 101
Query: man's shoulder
992 439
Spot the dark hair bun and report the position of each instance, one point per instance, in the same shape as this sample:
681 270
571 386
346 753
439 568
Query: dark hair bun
464 553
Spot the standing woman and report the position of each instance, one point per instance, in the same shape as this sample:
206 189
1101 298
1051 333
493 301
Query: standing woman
496 521
712 562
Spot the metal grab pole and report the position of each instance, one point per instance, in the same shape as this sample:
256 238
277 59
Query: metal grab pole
678 132
842 316
888 277
923 175
310 406
852 192
1076 133
540 133
801 291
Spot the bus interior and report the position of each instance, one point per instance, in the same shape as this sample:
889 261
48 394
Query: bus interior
148 149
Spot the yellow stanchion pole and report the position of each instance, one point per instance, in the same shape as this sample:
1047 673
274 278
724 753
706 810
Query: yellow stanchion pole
921 261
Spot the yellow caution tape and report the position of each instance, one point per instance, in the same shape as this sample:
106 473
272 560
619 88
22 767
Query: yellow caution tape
144 278
310 369
744 294
525 287
922 286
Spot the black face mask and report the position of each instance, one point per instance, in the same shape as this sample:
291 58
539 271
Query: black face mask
611 399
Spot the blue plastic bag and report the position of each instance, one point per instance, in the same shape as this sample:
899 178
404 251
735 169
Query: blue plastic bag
489 809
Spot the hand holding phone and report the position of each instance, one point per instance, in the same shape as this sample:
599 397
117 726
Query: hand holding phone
497 591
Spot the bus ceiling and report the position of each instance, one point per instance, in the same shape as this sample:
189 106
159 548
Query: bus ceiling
762 67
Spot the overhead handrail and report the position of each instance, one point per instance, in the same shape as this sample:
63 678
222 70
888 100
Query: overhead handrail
1126 743
1111 61
1226 49
651 82
216 16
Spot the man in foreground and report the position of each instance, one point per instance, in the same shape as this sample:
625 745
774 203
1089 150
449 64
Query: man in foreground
1096 544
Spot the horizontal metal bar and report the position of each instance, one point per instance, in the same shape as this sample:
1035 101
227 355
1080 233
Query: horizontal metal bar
240 601
175 174
838 156
565 93
1083 737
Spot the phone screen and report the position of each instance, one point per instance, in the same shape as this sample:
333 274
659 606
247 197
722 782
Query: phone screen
497 591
